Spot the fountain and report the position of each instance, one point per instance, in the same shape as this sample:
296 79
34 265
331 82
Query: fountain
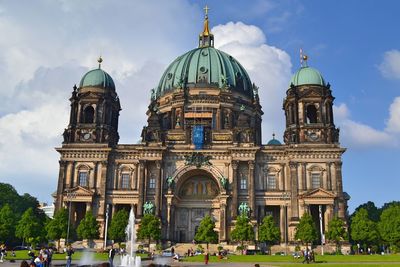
130 260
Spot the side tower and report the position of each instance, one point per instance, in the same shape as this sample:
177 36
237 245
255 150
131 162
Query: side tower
91 135
314 169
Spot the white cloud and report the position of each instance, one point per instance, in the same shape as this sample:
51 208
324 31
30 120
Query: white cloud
390 67
49 45
393 123
358 135
268 67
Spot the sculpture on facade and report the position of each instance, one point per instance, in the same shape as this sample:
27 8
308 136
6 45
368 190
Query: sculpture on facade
148 208
244 209
224 181
197 159
170 182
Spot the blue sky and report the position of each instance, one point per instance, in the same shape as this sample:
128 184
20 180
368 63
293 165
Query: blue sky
47 46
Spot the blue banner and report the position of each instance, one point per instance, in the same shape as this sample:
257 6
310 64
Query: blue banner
198 136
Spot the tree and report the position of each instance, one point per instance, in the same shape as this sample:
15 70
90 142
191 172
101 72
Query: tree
88 228
29 227
119 221
243 230
389 225
363 229
373 212
268 232
150 228
8 221
336 232
306 230
205 232
57 227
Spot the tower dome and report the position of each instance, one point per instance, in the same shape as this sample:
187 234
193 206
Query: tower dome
205 66
307 75
97 78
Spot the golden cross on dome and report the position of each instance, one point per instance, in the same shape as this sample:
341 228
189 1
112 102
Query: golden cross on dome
206 10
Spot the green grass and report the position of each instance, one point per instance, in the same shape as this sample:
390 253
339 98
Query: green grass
23 255
290 259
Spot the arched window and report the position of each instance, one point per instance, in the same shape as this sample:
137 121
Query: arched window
311 114
88 115
125 178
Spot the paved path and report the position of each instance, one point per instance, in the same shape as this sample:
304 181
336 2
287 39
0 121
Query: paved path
213 264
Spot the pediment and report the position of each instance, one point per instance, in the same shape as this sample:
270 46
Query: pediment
318 193
81 191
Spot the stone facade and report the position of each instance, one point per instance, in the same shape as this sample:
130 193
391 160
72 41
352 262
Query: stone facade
185 179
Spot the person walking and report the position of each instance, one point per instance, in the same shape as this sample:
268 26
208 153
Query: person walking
2 252
69 251
111 254
206 257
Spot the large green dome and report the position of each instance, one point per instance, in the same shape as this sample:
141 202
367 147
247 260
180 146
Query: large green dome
307 75
205 67
97 78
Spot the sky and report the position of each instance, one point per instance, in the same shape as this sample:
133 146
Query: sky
48 45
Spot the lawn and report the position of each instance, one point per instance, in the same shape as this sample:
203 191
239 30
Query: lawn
23 255
291 260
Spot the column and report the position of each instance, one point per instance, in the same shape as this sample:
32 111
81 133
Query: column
324 180
112 210
141 200
333 177
294 193
251 191
60 185
282 225
281 178
169 203
68 175
304 176
117 175
301 176
136 176
234 189
341 211
88 206
329 176
158 188
222 220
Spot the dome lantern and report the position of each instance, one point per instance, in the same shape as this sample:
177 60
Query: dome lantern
206 38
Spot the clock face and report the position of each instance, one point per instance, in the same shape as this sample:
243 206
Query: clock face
87 136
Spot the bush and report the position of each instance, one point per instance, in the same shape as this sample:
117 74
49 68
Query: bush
394 249
240 247
200 248
219 248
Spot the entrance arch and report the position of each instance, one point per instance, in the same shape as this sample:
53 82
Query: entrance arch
196 195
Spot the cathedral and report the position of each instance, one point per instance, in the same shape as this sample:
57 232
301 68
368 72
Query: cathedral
201 151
